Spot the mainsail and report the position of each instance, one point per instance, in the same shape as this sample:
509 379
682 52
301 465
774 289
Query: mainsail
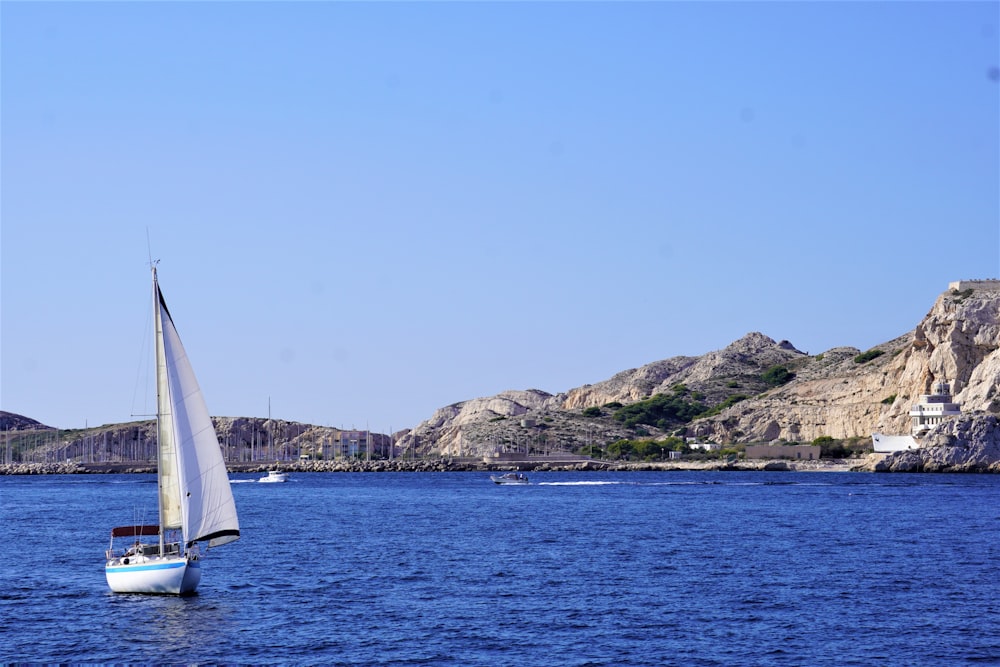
195 495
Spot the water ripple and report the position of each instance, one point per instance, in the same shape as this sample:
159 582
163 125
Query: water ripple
592 569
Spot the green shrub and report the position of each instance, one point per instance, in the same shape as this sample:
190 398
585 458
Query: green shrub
593 411
663 410
889 400
645 449
961 296
775 376
865 357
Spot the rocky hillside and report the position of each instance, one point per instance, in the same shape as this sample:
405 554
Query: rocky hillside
517 420
14 422
754 390
835 395
842 393
242 438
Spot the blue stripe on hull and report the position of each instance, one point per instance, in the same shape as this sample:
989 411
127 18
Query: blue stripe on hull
142 568
173 577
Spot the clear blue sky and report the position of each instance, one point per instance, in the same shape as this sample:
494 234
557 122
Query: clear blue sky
367 211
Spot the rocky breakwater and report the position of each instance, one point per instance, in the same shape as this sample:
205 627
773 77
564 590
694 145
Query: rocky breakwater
384 465
970 443
69 468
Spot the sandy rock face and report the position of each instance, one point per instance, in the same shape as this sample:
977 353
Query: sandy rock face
749 355
840 393
958 342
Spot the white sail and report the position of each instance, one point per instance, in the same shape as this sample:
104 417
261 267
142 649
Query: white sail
194 493
197 479
171 515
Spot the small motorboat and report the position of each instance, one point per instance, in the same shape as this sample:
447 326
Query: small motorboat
274 476
510 478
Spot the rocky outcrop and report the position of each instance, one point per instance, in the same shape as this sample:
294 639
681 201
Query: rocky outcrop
835 395
14 422
512 421
970 443
831 395
841 393
518 420
714 374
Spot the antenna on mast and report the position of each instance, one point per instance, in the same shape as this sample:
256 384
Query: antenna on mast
149 251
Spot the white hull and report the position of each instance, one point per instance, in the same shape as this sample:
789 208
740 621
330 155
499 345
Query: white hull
274 476
509 479
887 444
169 576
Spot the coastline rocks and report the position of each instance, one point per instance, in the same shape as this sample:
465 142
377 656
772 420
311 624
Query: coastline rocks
455 464
970 443
41 468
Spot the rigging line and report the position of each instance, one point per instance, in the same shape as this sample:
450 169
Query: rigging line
143 366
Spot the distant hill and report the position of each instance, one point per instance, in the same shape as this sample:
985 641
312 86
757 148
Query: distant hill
754 390
14 422
244 439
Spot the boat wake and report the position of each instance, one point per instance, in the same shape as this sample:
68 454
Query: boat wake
592 483
627 483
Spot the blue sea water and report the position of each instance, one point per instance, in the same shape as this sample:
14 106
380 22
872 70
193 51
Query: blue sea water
671 568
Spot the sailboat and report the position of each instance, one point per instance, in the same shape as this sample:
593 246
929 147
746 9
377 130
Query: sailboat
275 474
195 500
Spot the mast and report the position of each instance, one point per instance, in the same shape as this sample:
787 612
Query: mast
160 363
168 478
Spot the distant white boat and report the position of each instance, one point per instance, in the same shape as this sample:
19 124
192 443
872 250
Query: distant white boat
195 501
274 476
510 478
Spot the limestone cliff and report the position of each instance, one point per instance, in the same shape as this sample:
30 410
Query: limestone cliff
958 341
841 393
242 439
517 420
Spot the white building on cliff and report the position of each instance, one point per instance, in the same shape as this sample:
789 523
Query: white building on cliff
930 410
